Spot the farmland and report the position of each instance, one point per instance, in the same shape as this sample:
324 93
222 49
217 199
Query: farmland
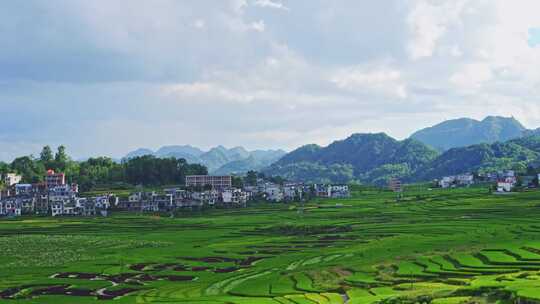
440 246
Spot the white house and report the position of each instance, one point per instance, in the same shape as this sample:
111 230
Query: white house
86 206
273 192
57 208
293 191
322 190
10 207
11 179
21 189
233 196
506 184
102 202
466 179
339 191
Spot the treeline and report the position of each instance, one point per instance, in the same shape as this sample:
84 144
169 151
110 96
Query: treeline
145 170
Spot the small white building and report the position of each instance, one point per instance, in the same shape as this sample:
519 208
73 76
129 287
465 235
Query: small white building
339 191
234 196
10 207
21 189
466 179
103 202
57 208
506 184
11 179
273 193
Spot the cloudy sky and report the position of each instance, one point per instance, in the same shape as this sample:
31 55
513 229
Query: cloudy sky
107 76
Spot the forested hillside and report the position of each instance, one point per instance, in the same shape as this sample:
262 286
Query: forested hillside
374 158
145 170
465 131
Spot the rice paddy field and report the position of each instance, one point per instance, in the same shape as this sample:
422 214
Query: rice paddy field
439 246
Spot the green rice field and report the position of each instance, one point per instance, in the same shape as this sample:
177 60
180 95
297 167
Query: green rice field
439 246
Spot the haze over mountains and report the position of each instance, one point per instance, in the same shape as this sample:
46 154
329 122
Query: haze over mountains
451 147
218 160
466 131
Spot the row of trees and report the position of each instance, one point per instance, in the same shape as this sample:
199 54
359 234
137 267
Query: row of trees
146 170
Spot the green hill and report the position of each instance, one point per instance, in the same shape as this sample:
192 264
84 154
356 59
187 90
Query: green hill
478 158
363 157
465 131
374 158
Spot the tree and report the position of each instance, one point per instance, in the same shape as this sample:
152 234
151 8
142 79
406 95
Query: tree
31 170
46 155
251 178
61 158
237 182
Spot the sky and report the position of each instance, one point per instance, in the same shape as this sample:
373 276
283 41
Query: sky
105 77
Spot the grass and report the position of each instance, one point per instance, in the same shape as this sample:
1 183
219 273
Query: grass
438 246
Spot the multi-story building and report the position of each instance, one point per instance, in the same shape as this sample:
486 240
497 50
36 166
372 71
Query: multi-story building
53 179
163 201
273 193
339 191
333 191
11 179
234 197
293 192
209 197
23 189
10 207
216 182
63 192
86 206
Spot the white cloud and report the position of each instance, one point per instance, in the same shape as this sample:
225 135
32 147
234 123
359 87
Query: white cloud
271 4
199 23
428 22
242 75
456 51
471 76
374 80
206 91
258 26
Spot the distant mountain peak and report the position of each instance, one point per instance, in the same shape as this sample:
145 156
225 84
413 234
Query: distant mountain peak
217 159
139 152
463 132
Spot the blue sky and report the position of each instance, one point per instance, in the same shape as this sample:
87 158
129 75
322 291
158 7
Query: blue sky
107 76
534 36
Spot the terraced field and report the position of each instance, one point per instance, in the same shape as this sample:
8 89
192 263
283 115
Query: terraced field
440 246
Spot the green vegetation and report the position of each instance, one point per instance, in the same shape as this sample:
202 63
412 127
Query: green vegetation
465 131
219 160
103 171
370 158
435 246
375 158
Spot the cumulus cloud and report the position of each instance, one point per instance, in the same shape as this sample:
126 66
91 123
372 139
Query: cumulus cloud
374 80
104 80
429 21
271 4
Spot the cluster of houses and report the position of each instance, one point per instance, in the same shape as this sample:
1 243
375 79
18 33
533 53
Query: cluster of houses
296 191
53 197
466 179
57 198
505 181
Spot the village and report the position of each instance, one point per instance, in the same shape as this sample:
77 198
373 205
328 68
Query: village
55 197
503 181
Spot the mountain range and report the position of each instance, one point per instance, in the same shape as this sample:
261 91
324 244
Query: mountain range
374 158
218 160
466 131
451 147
